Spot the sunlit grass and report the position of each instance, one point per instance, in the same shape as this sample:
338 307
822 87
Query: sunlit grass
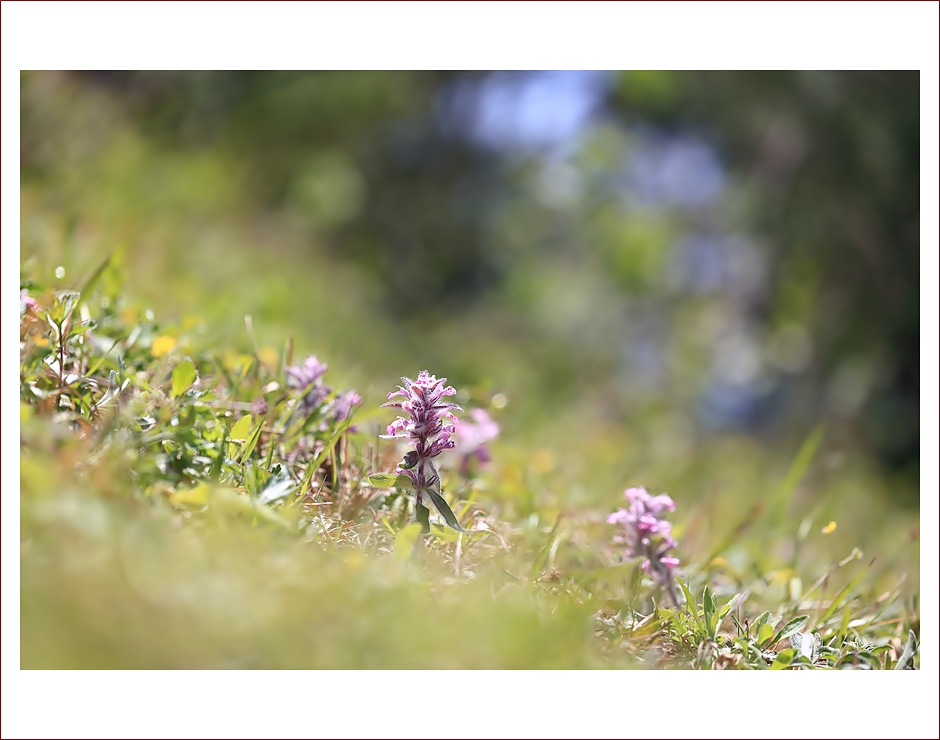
178 511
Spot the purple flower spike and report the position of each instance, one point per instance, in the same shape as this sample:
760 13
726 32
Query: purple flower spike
428 423
645 534
343 405
308 377
305 376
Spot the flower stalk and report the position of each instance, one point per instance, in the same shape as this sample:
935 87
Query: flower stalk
428 423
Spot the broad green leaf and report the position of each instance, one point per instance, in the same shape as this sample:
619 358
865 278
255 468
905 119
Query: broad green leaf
213 433
65 302
764 633
82 326
794 625
183 376
441 505
761 620
240 429
421 517
405 540
784 659
191 498
391 480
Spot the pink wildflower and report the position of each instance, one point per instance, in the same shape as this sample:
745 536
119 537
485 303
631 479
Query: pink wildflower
645 534
428 424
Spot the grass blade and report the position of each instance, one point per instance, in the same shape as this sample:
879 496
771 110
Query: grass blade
907 656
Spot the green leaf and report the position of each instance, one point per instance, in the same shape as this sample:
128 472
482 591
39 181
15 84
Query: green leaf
183 376
764 634
249 445
828 652
690 604
708 610
219 461
724 612
240 429
784 659
441 505
405 540
65 302
421 517
391 480
794 625
761 621
82 326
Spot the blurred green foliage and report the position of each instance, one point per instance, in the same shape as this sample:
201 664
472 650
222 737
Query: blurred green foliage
352 199
359 216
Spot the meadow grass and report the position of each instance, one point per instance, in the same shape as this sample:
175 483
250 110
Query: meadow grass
185 505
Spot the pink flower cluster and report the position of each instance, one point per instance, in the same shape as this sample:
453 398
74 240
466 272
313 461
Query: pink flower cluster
429 425
474 436
646 534
307 377
27 302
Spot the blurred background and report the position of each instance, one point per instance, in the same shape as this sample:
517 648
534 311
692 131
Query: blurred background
663 278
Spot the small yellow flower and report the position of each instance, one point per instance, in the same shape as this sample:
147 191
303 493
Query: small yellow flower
829 528
162 345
